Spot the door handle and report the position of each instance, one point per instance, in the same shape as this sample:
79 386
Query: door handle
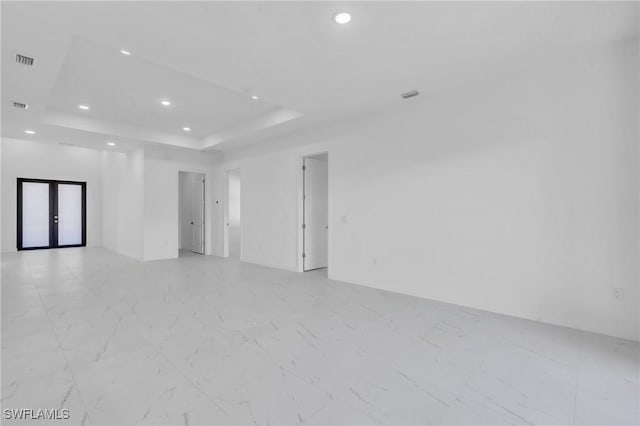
192 223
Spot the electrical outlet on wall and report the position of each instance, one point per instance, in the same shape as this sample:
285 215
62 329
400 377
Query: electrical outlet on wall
618 293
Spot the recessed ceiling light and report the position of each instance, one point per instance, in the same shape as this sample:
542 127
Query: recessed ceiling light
342 17
186 129
125 52
111 143
30 132
165 102
254 97
84 107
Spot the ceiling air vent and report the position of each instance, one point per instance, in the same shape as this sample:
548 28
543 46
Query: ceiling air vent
410 94
20 105
24 60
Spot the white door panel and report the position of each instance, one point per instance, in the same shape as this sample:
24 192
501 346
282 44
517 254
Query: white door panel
316 213
198 217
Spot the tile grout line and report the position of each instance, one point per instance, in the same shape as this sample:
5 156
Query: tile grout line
161 354
192 290
66 361
575 396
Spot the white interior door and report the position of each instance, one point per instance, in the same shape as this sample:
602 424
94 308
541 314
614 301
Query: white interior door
233 236
197 245
316 213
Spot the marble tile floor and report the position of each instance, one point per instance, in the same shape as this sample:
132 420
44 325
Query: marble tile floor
201 341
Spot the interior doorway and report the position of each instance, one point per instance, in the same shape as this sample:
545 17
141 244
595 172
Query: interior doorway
191 213
51 214
315 212
233 214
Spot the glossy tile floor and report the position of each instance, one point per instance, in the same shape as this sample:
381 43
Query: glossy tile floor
202 340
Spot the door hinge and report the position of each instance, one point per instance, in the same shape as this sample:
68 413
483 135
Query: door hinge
304 167
304 255
304 197
304 226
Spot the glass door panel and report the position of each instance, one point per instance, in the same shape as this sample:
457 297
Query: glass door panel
35 214
69 217
51 214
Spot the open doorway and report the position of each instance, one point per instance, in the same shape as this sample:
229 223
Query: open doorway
315 212
233 223
191 214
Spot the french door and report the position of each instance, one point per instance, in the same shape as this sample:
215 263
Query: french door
51 214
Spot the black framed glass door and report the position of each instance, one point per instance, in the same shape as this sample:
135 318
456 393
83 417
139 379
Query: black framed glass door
51 214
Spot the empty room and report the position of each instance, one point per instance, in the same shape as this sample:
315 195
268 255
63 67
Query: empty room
320 213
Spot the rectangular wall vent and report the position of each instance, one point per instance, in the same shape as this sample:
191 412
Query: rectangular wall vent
20 105
24 60
410 94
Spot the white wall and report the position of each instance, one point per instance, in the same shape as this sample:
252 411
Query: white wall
161 203
517 195
142 201
268 209
160 210
48 160
123 189
132 198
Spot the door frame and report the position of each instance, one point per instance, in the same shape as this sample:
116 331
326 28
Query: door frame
53 211
208 225
301 207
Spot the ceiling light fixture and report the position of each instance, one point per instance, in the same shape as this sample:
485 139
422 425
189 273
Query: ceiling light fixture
342 17
125 52
186 129
254 97
165 102
30 132
111 143
84 107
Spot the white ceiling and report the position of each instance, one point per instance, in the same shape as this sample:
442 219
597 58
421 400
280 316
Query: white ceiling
209 57
128 89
